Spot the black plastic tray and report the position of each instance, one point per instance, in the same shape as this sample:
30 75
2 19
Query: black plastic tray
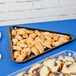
16 27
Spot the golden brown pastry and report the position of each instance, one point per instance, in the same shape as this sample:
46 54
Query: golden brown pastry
17 48
29 31
34 50
18 37
26 51
22 45
37 33
16 54
39 46
23 41
32 35
20 58
14 32
15 41
21 31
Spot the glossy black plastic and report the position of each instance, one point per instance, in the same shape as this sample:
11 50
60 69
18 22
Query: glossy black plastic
16 27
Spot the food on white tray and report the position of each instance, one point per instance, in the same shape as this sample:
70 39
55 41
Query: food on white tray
52 67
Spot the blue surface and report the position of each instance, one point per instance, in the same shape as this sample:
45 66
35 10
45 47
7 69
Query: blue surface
7 66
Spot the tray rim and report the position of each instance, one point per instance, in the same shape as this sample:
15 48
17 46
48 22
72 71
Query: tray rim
64 51
11 51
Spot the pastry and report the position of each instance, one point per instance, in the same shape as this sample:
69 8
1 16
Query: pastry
34 67
34 50
26 51
22 45
14 32
18 48
15 41
44 71
20 58
37 33
39 70
53 64
69 67
65 59
39 46
18 37
16 54
21 31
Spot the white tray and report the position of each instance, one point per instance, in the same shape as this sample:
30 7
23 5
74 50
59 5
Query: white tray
63 53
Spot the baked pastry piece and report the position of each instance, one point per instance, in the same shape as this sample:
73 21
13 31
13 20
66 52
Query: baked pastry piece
39 46
61 40
24 74
18 37
35 66
65 59
29 32
26 52
32 35
45 43
14 32
34 50
57 74
69 67
37 32
23 41
21 31
16 54
53 64
46 33
44 71
57 43
22 45
20 58
18 48
15 41
25 35
39 70
55 37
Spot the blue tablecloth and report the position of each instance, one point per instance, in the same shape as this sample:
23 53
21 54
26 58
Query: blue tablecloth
7 66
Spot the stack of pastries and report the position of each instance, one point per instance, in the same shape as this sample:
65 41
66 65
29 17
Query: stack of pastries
63 66
27 43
